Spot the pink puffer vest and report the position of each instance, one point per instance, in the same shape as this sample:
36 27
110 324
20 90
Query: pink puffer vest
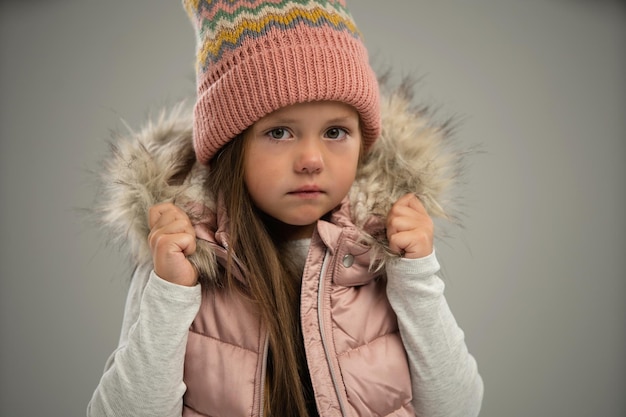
356 359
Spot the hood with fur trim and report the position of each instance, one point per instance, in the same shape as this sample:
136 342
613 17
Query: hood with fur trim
157 164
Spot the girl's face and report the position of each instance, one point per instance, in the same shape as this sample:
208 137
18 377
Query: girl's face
300 162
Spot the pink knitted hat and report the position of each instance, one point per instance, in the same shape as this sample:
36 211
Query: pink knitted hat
254 57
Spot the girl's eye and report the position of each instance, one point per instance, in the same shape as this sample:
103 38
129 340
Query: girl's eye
336 133
279 133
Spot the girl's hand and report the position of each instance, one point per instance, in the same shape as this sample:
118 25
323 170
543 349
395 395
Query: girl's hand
410 229
172 238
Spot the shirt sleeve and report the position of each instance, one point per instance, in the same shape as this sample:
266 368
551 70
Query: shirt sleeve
444 376
144 375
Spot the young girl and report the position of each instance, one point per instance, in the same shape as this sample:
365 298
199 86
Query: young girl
283 238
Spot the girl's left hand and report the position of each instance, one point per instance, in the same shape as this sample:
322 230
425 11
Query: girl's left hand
410 229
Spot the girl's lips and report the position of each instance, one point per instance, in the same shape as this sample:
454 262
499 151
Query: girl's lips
307 189
307 192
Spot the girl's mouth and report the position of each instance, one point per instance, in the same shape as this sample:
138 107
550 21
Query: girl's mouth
307 192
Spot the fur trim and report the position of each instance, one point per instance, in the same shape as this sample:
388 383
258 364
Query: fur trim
413 154
154 165
157 164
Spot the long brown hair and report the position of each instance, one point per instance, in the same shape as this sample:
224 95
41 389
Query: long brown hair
273 283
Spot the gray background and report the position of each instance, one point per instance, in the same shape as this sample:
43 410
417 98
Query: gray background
536 278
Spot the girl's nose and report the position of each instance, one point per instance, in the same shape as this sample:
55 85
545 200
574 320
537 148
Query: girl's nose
309 158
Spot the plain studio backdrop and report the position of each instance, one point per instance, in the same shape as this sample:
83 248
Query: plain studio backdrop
536 277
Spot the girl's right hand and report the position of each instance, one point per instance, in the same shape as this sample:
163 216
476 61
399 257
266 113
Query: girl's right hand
172 238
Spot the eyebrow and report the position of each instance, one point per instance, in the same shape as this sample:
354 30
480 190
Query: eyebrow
343 119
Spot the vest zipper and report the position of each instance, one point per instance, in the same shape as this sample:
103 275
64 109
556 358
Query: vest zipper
320 317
